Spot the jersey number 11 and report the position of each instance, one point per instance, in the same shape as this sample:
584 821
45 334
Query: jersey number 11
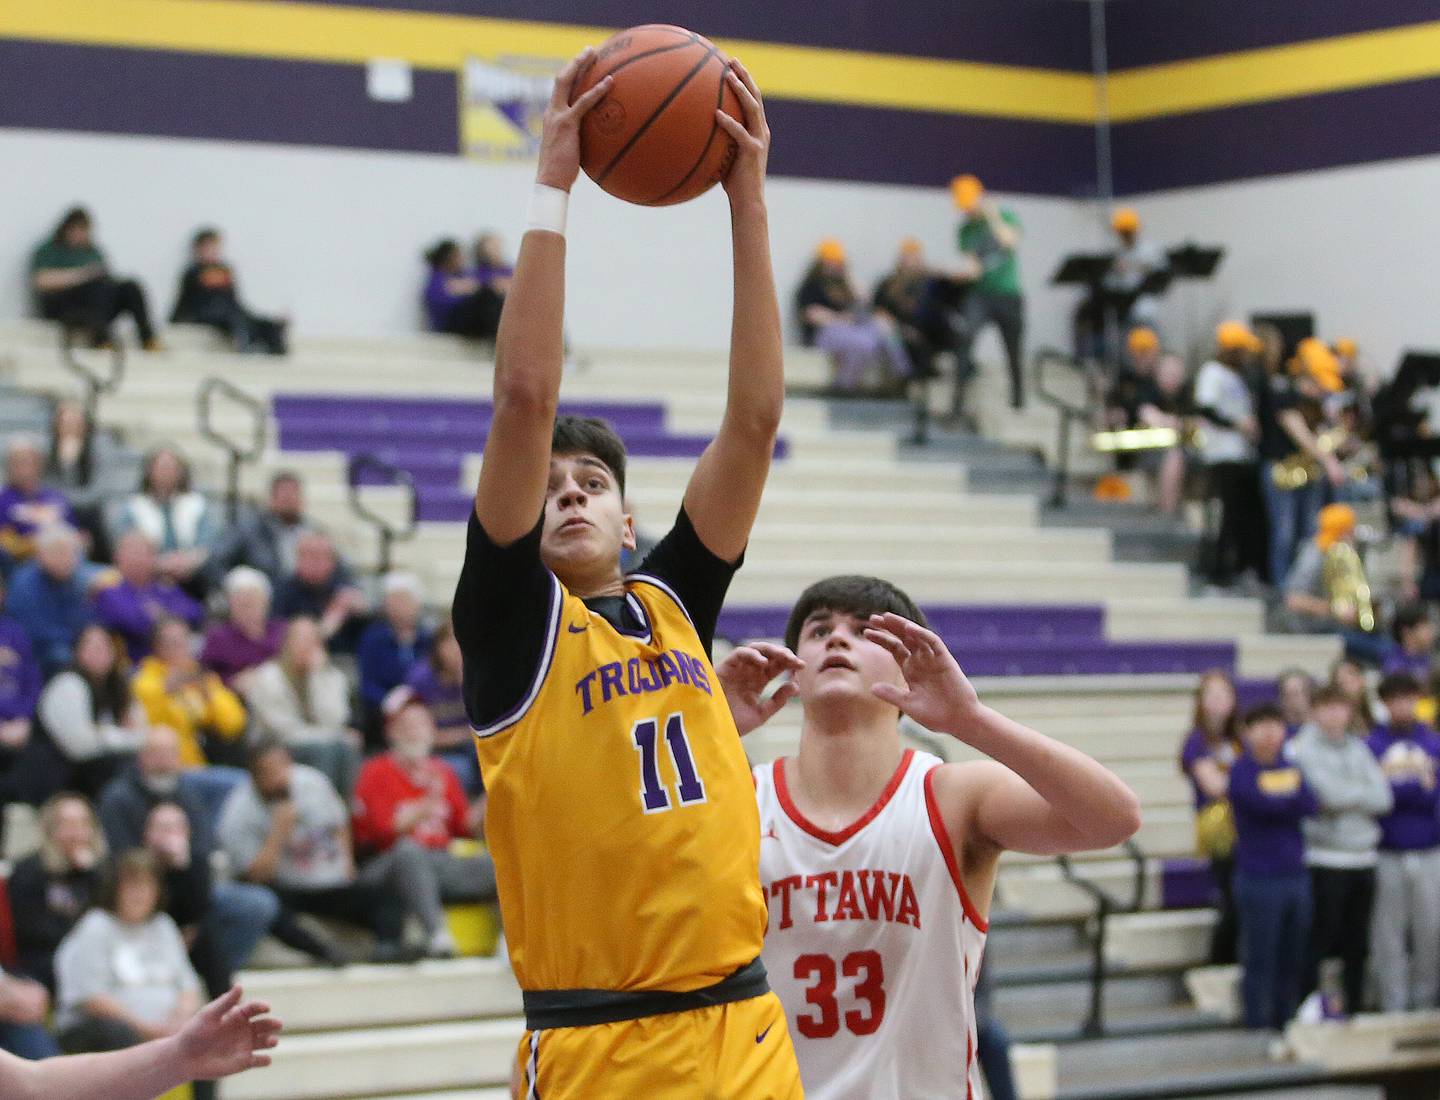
653 794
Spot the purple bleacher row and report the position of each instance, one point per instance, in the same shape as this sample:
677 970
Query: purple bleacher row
1000 640
430 437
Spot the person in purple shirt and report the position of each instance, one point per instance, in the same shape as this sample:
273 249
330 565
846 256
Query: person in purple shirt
1405 941
1269 798
457 301
1205 758
492 268
20 681
437 682
249 636
132 607
1414 632
25 504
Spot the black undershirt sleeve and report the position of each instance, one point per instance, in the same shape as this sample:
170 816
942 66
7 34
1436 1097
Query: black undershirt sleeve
501 615
698 577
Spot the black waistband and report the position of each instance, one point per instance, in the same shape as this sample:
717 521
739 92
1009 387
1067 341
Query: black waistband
550 1008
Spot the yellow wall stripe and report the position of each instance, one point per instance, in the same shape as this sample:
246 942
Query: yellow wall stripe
1277 72
315 32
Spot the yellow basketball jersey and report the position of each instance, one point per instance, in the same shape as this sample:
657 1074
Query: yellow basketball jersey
622 815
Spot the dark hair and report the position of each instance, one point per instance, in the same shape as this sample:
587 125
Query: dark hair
162 622
1397 684
1230 731
138 861
850 595
260 748
1332 693
85 461
591 436
110 696
76 215
438 252
282 476
148 463
1408 618
204 234
1265 712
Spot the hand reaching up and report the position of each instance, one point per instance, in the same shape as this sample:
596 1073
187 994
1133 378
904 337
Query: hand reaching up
747 672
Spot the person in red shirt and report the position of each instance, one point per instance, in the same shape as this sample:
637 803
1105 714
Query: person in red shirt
409 807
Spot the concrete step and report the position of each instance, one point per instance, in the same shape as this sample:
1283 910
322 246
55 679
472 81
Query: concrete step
1369 1042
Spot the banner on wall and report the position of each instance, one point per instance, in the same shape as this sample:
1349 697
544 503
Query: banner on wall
502 105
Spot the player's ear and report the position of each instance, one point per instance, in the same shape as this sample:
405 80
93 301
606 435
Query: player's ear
627 533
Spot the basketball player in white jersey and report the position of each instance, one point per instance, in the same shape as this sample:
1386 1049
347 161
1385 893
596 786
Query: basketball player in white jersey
878 862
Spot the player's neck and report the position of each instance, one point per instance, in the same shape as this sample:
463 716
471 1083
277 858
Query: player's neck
588 585
842 768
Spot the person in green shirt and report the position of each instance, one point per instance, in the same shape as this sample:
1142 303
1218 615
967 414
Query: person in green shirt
987 238
73 285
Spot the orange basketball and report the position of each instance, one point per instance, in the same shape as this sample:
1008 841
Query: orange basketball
654 139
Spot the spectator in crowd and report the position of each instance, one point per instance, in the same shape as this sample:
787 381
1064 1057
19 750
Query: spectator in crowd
208 295
1229 432
834 319
122 974
1294 695
72 284
457 301
321 588
286 828
1270 799
182 523
1413 629
1209 751
1292 418
268 539
437 681
992 1042
987 237
51 596
1137 367
249 636
302 700
156 776
904 296
1164 404
177 692
392 644
1313 608
26 503
221 923
90 713
1341 840
1406 940
493 267
1348 675
134 606
1136 259
20 680
24 1008
409 807
51 889
87 467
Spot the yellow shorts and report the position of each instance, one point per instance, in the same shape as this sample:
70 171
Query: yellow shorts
736 1051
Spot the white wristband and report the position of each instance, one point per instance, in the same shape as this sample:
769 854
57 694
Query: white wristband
548 207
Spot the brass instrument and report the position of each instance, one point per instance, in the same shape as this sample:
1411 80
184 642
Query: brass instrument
1299 469
1347 589
1130 440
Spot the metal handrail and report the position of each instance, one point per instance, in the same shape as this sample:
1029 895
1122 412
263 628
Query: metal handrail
1106 905
95 383
1053 357
395 475
239 453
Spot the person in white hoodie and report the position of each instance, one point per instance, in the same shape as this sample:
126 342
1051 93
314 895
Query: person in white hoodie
1341 840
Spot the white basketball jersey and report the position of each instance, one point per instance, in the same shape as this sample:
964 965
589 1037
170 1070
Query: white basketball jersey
873 946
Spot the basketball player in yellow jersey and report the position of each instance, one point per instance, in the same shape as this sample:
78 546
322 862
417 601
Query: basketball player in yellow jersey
621 812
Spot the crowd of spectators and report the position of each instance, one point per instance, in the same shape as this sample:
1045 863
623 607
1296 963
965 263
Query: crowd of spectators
1319 815
221 735
464 295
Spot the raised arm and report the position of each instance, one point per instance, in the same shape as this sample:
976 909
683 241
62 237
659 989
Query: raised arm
724 492
530 346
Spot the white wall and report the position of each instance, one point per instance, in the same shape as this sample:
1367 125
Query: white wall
1358 246
334 237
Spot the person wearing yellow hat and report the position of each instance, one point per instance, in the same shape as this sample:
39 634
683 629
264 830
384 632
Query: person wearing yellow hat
904 295
1229 432
834 318
1311 602
1135 261
987 237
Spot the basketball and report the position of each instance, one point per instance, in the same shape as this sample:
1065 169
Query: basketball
653 139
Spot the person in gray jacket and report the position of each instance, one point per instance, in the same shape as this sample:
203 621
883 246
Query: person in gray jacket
1341 840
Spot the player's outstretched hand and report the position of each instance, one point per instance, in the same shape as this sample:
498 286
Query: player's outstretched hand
747 672
560 138
939 696
746 177
227 1036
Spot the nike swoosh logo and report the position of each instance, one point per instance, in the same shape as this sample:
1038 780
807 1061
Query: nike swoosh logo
577 629
761 1037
